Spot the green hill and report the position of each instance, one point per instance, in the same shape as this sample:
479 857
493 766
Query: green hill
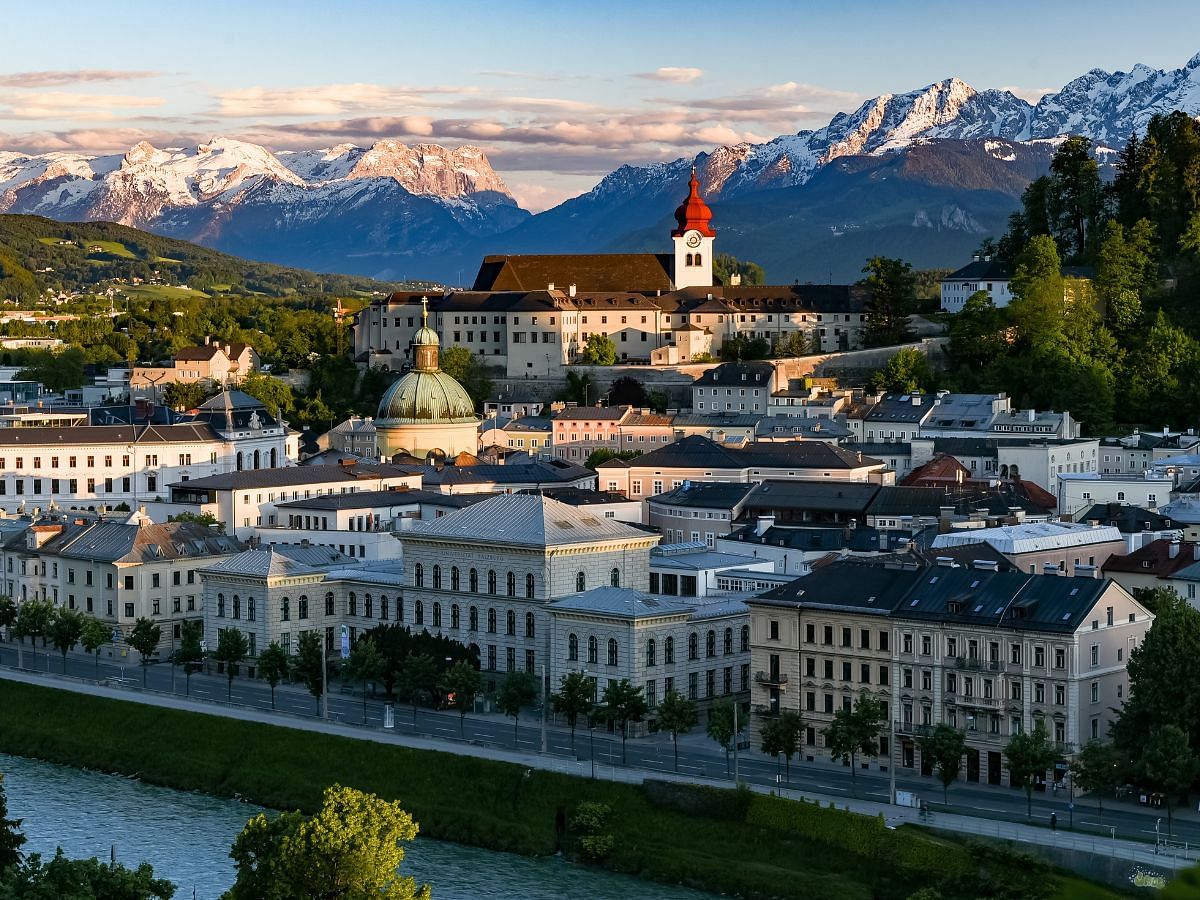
38 254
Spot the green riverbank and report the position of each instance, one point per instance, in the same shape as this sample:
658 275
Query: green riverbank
726 841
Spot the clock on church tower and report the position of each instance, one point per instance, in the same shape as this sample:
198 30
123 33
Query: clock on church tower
693 237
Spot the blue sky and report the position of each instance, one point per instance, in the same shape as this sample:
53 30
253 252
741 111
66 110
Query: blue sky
557 93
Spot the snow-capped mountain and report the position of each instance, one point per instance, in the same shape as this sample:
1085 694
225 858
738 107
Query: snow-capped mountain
923 174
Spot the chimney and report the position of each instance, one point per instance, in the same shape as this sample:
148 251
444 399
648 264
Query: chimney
945 562
1031 414
1166 431
1083 570
1196 551
1051 569
763 523
986 565
570 290
550 286
1174 551
975 258
916 399
735 279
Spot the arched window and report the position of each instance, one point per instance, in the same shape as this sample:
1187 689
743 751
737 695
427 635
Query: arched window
437 615
352 606
368 606
454 616
612 651
473 618
237 606
710 643
573 647
419 612
256 460
474 581
529 585
669 651
745 638
511 584
454 578
510 623
329 604
250 609
302 607
491 581
285 609
580 582
274 458
239 461
614 577
437 578
419 575
651 653
698 261
530 625
491 621
687 260
693 646
728 644
593 650
220 606
400 609
383 607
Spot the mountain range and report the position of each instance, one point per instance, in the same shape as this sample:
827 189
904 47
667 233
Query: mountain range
924 175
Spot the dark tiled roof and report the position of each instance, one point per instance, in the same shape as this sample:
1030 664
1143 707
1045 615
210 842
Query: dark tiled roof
587 271
981 269
706 494
698 452
1155 559
846 585
106 434
363 499
739 373
121 542
1127 519
800 493
292 475
587 413
907 501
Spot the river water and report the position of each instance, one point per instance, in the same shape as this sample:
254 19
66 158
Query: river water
186 837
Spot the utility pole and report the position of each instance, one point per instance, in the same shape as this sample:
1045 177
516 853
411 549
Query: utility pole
736 778
545 704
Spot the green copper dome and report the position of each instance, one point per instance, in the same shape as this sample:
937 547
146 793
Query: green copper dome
425 398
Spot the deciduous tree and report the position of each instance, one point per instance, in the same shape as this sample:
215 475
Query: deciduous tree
943 749
95 635
677 715
144 638
274 665
65 629
1168 765
783 735
1097 770
599 350
1029 755
309 665
462 682
855 730
366 665
232 647
575 697
516 691
721 727
624 703
417 678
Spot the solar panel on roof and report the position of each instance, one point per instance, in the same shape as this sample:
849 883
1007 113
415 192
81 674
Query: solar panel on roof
979 608
1066 616
1074 591
975 583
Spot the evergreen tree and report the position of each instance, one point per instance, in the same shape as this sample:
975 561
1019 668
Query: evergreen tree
893 289
11 838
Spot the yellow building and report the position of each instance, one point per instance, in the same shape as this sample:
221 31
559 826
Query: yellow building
426 413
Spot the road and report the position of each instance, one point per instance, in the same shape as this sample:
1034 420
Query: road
698 756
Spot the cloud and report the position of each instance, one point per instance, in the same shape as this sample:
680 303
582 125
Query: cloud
57 78
327 100
66 105
673 74
1030 95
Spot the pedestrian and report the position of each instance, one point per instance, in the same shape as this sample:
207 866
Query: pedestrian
1054 821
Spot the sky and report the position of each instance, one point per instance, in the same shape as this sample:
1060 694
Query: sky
557 93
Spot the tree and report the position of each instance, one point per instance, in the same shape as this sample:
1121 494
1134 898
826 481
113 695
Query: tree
893 288
462 682
794 343
274 665
274 394
468 370
8 613
33 618
725 265
599 350
83 879
721 727
309 664
580 389
1073 196
783 734
1167 765
232 647
943 749
740 347
418 676
366 664
57 371
65 630
603 455
1097 770
11 838
94 636
185 395
677 714
855 730
1164 681
907 372
206 519
1038 306
190 652
628 391
351 848
518 689
1029 755
977 334
624 703
144 638
575 697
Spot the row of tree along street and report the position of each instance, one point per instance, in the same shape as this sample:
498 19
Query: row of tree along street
1155 744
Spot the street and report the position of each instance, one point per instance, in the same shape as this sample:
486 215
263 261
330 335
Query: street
699 756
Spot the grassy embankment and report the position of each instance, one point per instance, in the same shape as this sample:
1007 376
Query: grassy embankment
732 842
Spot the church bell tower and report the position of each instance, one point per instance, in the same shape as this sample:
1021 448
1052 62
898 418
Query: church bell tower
693 237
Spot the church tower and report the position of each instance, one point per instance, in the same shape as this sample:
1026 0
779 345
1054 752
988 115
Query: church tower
693 237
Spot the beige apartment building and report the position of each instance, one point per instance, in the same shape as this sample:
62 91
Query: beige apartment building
217 363
987 652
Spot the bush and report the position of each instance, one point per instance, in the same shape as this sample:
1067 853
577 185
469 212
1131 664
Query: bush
591 824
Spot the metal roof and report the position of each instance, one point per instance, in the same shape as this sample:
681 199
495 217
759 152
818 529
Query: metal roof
1032 538
622 603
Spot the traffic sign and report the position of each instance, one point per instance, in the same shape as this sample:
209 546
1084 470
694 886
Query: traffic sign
116 633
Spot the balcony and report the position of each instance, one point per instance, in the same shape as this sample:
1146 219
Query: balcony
913 729
771 679
766 710
980 702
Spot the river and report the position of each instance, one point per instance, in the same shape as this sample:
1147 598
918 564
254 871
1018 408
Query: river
186 837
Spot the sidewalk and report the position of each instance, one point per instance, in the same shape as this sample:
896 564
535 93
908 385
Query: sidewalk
893 815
